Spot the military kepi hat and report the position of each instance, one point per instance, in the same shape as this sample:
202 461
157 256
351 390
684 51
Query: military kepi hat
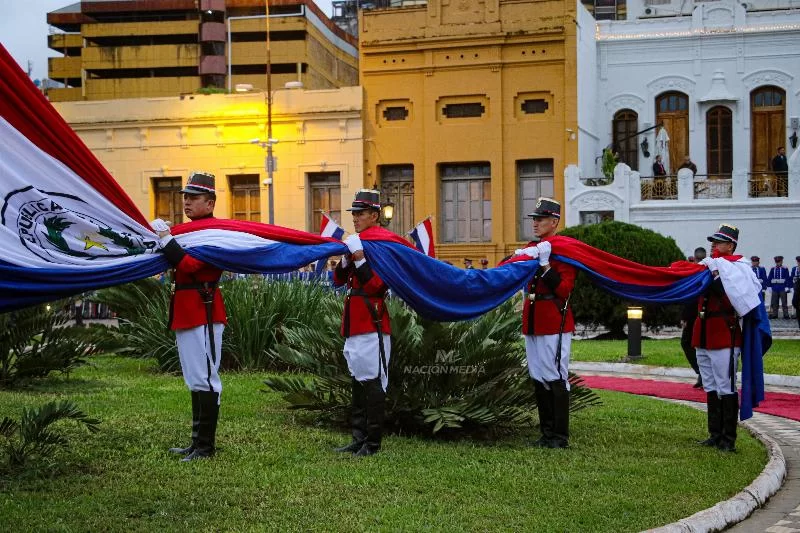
366 199
755 258
546 207
725 233
778 258
200 183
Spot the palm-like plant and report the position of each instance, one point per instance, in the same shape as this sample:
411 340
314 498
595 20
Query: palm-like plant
35 342
259 311
34 437
444 377
142 309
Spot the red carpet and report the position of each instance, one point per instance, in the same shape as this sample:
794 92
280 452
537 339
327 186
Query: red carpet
775 403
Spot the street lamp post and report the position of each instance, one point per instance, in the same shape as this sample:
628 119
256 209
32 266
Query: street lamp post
270 159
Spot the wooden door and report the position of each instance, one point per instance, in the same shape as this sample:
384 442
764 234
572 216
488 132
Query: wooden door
719 142
767 124
672 110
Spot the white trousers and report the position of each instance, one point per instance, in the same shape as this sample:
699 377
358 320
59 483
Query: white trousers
715 369
199 372
363 357
541 353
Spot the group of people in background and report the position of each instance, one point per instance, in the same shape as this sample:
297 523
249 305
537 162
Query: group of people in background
781 282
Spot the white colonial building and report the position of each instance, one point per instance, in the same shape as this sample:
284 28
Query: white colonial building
718 81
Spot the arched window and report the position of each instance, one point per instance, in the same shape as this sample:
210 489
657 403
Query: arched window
672 110
625 125
719 141
767 124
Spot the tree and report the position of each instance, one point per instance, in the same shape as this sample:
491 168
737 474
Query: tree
595 307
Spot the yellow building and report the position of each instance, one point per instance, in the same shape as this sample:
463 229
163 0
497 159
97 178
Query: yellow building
140 48
470 114
151 145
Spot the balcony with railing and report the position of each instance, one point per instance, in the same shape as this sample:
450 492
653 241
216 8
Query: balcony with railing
767 185
712 186
652 200
659 188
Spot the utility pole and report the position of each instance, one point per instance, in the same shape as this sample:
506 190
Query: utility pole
270 159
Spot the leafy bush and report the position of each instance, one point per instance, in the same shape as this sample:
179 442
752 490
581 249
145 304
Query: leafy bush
142 310
593 306
35 342
445 378
258 311
33 437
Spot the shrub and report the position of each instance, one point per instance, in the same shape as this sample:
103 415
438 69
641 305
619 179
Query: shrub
593 306
445 378
142 311
35 342
258 312
33 437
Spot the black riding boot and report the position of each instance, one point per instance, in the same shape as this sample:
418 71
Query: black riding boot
206 435
195 425
358 418
714 410
544 405
730 418
560 394
375 407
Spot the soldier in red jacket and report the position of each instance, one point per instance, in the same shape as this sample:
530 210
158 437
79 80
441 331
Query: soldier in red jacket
717 337
197 315
547 325
366 328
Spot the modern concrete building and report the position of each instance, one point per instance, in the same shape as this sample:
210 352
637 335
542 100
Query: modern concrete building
144 48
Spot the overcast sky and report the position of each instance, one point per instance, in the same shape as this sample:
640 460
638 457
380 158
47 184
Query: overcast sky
23 30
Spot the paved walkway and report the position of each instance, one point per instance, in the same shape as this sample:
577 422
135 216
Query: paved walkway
781 514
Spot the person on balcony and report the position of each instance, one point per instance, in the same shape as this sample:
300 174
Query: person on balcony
780 166
658 168
780 285
688 163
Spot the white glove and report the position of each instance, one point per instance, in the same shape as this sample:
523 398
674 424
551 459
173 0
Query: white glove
353 243
159 225
708 262
343 262
544 252
531 251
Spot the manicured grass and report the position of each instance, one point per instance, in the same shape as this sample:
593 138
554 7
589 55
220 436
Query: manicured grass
782 358
633 465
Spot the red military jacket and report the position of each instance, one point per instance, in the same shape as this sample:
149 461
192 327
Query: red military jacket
716 317
187 309
356 318
543 316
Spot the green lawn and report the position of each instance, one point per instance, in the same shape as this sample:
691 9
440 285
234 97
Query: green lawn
782 358
633 465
